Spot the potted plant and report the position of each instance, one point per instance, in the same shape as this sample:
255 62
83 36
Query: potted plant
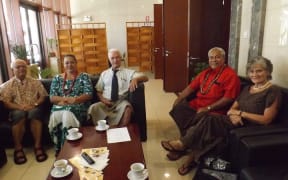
19 51
46 73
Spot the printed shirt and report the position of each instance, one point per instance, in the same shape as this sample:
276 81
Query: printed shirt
227 85
26 92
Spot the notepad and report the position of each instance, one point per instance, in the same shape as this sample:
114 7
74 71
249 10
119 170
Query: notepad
118 135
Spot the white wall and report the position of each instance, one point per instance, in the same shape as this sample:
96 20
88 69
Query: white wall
115 13
275 42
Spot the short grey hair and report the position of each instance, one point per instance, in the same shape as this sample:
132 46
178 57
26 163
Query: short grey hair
221 50
113 50
264 62
13 63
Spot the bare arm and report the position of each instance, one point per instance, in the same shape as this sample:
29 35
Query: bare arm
134 82
264 119
267 117
14 106
103 99
59 100
221 103
183 95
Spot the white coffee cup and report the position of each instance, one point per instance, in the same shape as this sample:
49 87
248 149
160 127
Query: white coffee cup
137 169
60 165
73 132
102 124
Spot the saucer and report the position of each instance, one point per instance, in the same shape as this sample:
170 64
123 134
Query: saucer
73 138
142 177
101 129
54 173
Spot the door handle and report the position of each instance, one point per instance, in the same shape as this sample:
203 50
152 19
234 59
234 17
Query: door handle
194 58
167 52
156 49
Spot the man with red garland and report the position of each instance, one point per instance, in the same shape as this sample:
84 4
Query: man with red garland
215 89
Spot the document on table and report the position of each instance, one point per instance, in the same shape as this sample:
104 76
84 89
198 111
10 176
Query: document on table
118 135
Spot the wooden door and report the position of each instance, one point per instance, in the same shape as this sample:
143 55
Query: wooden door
158 64
191 28
209 27
175 20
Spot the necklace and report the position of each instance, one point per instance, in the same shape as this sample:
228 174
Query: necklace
66 92
202 91
267 84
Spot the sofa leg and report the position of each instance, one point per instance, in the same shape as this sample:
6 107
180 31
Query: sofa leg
3 157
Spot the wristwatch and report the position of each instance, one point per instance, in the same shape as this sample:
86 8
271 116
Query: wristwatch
209 108
36 104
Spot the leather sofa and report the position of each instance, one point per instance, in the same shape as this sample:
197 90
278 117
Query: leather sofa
137 99
252 149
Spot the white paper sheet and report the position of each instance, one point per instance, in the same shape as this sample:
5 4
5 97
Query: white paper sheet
118 135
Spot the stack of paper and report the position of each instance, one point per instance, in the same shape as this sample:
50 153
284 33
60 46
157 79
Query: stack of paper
99 155
116 135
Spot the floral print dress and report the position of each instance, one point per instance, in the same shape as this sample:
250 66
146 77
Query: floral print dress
81 85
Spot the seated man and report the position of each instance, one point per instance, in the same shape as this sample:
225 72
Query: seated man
216 88
112 90
22 96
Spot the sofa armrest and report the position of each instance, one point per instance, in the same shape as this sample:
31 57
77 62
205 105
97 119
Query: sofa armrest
3 111
248 145
262 150
137 100
258 130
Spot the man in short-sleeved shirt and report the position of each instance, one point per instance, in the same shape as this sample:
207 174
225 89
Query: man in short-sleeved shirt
215 88
22 96
116 112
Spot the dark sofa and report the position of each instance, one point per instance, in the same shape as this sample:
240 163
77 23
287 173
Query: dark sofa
253 149
137 99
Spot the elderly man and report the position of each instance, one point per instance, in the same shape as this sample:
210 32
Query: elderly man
112 90
22 96
215 89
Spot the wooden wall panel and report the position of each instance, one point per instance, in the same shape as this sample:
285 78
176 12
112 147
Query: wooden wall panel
88 45
140 39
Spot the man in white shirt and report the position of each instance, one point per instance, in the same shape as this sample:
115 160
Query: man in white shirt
113 105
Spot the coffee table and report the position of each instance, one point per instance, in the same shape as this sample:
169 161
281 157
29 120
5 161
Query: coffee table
121 155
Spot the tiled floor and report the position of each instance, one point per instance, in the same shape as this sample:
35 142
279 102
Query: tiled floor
160 126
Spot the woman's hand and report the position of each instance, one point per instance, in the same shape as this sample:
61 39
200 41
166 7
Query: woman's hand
234 112
236 120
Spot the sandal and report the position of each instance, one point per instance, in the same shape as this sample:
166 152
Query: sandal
173 156
185 169
19 156
168 147
40 154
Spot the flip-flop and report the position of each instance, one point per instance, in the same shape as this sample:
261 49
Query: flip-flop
185 169
173 156
168 147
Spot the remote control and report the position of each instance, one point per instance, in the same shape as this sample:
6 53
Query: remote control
87 158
